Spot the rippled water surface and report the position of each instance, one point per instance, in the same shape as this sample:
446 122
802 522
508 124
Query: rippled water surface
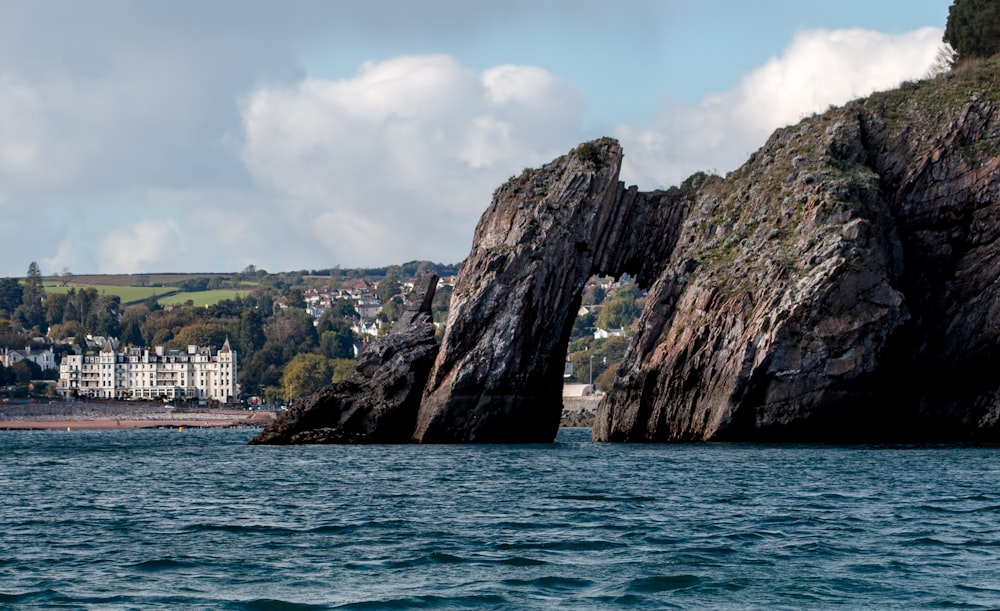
147 519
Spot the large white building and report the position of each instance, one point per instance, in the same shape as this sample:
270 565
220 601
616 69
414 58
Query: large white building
138 373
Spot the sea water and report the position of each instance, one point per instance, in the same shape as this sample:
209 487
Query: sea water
158 519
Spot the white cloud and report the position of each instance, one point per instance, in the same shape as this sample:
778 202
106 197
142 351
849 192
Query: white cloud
818 69
20 150
108 121
142 246
67 255
399 162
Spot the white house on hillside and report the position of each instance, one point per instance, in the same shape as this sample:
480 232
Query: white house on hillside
45 358
600 333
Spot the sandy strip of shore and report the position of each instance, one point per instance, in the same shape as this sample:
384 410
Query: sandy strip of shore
260 419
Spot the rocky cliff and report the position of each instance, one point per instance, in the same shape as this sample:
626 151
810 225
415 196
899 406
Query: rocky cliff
498 376
841 285
379 403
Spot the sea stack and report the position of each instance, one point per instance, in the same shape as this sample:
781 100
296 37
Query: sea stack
379 403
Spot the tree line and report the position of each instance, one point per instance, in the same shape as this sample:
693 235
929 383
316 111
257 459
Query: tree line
283 353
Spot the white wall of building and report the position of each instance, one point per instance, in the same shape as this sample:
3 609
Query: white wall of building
135 373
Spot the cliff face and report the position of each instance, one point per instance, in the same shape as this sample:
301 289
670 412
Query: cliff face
840 286
378 404
498 376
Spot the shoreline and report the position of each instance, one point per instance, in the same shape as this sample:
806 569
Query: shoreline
110 416
104 424
99 415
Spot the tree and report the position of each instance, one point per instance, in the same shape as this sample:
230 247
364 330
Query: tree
228 308
33 285
32 316
11 296
583 326
132 322
333 319
200 334
66 330
152 303
12 338
6 376
973 28
602 355
620 310
343 308
194 285
102 319
338 344
294 299
606 379
161 337
389 286
441 303
294 327
251 338
261 299
25 371
261 370
55 308
391 310
305 374
593 294
79 304
343 369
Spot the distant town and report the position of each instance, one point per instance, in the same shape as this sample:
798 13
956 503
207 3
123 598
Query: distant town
250 338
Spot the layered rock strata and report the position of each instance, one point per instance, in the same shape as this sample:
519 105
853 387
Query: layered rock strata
499 375
843 285
840 286
379 403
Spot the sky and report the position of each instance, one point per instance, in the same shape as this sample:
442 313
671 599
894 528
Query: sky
192 136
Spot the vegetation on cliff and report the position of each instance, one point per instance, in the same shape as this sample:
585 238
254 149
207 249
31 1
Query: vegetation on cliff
973 28
830 282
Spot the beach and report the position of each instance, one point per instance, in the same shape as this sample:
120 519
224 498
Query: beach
88 415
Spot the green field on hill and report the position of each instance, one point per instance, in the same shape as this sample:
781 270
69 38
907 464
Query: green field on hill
128 294
171 295
202 298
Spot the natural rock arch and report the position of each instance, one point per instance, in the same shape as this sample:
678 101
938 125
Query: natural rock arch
843 284
498 375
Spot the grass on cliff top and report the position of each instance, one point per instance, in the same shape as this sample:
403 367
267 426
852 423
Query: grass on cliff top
975 80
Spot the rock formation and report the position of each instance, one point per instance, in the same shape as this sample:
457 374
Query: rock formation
379 403
844 284
498 377
841 285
